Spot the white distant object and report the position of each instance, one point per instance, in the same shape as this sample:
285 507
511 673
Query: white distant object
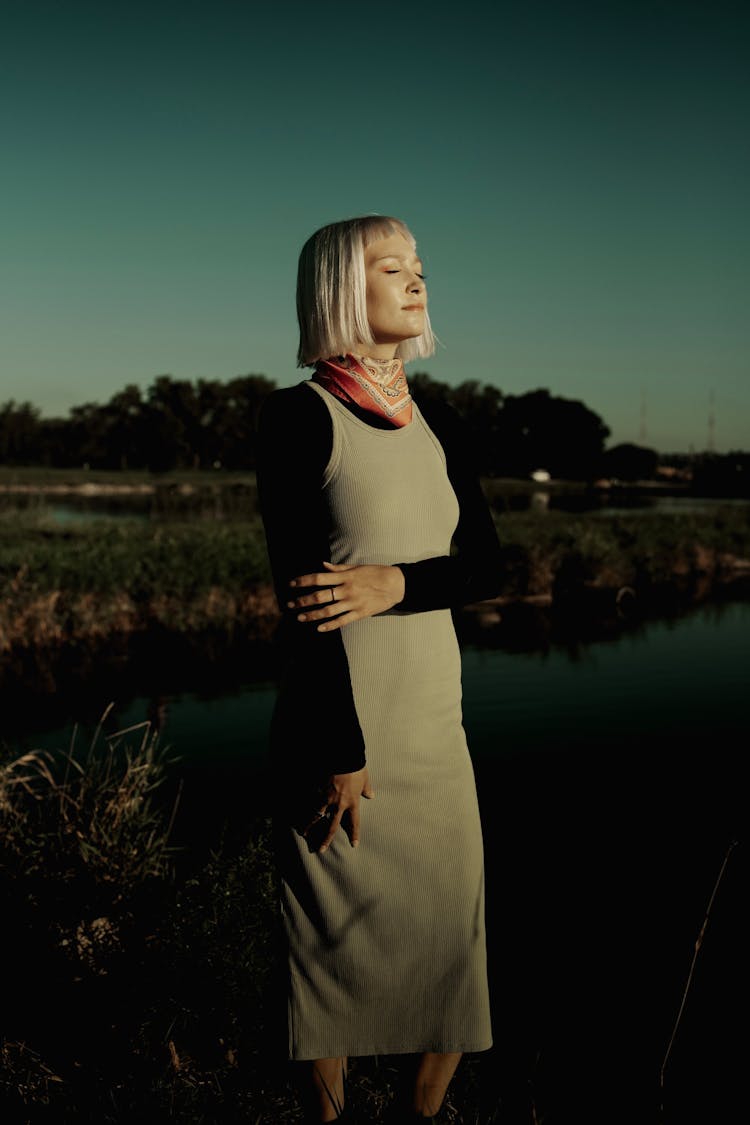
541 476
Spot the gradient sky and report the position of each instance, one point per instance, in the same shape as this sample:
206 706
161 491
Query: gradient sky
576 176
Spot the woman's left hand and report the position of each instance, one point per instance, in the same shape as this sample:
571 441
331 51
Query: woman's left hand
350 592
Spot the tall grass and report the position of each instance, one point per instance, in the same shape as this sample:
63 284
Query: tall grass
147 989
87 819
139 991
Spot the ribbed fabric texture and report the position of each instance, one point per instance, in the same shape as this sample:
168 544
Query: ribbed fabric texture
386 941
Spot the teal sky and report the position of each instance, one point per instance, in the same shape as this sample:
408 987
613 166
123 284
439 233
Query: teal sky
576 176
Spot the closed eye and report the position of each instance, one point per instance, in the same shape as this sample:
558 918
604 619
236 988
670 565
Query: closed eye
421 276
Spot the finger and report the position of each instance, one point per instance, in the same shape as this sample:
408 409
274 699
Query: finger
332 609
344 619
336 821
317 579
367 789
353 826
316 818
320 597
339 566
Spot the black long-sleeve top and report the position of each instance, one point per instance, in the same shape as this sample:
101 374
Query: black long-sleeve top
294 446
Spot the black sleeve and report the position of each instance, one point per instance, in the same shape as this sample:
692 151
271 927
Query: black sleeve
321 730
473 573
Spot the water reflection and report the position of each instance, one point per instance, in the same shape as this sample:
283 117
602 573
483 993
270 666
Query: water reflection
539 500
239 500
159 501
65 515
528 673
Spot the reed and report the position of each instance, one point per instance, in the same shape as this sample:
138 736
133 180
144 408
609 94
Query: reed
87 817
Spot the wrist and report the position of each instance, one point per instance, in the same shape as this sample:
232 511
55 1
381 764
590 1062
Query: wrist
399 584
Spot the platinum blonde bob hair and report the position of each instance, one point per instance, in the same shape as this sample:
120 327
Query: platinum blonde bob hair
332 292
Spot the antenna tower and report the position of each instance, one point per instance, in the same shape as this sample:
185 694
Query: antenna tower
711 421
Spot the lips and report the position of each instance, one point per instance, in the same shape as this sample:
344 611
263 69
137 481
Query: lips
412 308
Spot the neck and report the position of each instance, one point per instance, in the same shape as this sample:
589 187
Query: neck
376 351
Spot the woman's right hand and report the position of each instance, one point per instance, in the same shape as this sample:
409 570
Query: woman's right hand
340 804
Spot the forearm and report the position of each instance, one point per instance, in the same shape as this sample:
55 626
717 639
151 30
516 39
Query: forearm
448 582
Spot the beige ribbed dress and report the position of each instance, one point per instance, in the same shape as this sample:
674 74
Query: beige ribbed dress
386 941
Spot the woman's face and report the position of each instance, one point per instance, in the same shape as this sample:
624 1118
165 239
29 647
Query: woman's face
396 294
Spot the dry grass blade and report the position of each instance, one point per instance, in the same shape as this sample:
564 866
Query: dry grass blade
35 761
101 806
100 724
691 973
24 1071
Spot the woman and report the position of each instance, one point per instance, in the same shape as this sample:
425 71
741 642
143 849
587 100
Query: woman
362 491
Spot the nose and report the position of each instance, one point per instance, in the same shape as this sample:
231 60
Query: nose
416 284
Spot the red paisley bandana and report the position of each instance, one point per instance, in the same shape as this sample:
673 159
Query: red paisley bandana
376 385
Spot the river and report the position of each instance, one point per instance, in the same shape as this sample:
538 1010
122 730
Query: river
230 501
611 786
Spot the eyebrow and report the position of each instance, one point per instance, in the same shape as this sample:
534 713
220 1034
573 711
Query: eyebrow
398 258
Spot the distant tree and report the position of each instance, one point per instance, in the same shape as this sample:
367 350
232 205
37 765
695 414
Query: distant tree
479 406
424 388
125 419
87 432
177 423
722 474
55 444
172 426
20 433
540 431
629 462
204 424
230 420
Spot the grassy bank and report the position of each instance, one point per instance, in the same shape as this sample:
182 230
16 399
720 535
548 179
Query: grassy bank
166 974
170 964
88 582
93 581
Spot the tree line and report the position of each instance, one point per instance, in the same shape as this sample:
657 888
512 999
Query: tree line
177 424
209 424
173 424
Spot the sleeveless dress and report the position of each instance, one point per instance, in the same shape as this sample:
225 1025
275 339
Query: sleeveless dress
386 941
